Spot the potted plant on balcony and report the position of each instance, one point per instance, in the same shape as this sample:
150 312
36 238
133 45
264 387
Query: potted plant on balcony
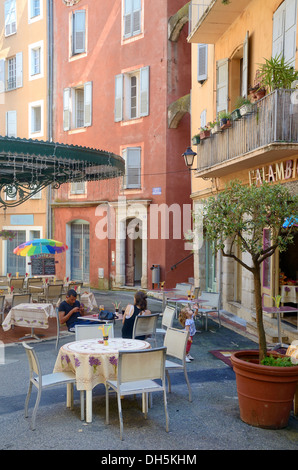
204 132
224 119
277 73
196 139
215 127
237 217
244 105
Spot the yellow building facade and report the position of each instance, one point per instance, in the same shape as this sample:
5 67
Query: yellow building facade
23 114
229 42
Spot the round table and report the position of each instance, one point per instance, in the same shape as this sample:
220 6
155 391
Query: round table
93 363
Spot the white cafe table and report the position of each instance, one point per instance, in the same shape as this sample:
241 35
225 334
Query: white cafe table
93 363
29 315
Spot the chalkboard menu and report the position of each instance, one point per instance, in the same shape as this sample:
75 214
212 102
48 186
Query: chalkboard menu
43 266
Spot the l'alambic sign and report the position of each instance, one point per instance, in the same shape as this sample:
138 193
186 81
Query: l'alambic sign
279 171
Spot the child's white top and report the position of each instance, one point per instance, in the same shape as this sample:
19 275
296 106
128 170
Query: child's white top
192 327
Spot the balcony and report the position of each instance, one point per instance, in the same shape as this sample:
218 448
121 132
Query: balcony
209 19
269 134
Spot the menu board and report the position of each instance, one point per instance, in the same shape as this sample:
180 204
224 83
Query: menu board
43 266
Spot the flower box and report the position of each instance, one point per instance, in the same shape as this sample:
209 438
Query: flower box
204 134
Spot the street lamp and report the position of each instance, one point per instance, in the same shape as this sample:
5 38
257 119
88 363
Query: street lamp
189 156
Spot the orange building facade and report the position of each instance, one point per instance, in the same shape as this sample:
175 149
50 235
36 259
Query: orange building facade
122 83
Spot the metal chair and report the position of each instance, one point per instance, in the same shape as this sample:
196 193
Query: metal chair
175 341
145 325
91 331
52 293
75 285
137 372
212 305
17 284
167 320
18 299
2 300
46 381
36 291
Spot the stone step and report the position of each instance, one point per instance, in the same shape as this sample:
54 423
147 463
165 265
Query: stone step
270 332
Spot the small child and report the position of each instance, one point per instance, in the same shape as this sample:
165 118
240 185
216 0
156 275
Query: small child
186 320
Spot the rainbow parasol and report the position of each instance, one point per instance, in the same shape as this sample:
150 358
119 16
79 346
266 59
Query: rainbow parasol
40 246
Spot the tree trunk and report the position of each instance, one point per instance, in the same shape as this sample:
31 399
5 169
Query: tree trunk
259 313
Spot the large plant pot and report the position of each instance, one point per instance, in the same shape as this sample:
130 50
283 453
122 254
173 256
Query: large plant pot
265 393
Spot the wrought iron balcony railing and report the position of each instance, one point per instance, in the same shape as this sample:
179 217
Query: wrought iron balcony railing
273 121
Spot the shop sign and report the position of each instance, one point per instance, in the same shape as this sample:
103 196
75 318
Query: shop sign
281 171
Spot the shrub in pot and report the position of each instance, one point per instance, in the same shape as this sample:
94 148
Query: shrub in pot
225 119
204 133
276 73
237 217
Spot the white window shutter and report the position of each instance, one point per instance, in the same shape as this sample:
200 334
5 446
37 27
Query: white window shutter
222 85
136 18
118 98
66 109
144 91
19 69
133 167
202 62
11 124
87 104
290 31
79 31
2 75
278 31
203 118
245 66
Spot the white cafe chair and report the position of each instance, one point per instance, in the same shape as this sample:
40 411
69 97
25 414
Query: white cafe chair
137 373
145 325
42 382
167 320
91 331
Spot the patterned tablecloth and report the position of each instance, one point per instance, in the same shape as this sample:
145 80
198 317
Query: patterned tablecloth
289 294
88 299
29 315
93 362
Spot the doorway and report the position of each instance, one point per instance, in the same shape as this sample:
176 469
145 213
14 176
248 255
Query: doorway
133 252
80 252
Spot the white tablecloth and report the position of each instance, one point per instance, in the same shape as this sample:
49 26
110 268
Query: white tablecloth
29 315
88 299
289 294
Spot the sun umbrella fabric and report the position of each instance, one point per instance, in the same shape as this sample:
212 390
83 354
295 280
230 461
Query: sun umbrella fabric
40 246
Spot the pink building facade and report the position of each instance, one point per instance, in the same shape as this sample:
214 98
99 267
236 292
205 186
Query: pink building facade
116 77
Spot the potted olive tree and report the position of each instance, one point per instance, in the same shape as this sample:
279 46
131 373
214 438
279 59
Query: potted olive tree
237 217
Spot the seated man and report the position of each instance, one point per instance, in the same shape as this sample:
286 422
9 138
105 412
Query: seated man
69 311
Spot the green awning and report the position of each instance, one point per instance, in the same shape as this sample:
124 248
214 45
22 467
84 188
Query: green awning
27 166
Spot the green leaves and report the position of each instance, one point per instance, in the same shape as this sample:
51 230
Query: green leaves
277 73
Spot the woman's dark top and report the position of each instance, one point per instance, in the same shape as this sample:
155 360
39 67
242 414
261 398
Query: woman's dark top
128 324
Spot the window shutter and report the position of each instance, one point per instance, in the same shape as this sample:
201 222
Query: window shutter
79 31
10 17
19 69
133 167
278 31
202 62
136 17
11 123
245 66
222 85
203 118
127 18
2 75
290 31
118 98
144 91
87 104
66 109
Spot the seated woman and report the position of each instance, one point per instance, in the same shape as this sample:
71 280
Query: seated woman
131 312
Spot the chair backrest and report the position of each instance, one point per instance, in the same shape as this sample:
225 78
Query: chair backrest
78 284
34 281
18 299
145 325
168 316
54 290
175 341
196 292
34 365
147 364
2 299
182 288
17 283
92 331
213 299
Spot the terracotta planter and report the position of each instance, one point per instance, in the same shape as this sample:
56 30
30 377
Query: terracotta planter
225 123
265 393
204 135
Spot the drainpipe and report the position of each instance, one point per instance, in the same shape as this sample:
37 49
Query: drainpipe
50 56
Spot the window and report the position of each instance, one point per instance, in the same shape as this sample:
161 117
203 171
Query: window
78 32
77 107
36 60
11 123
34 8
284 31
202 62
131 18
222 85
132 95
13 72
36 196
36 119
78 188
10 17
132 177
